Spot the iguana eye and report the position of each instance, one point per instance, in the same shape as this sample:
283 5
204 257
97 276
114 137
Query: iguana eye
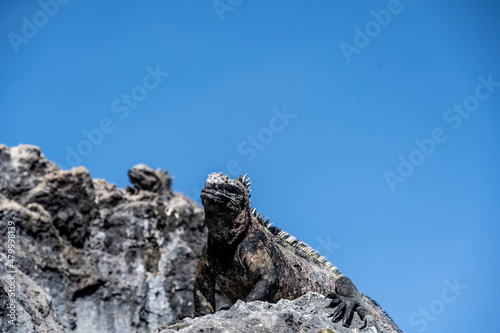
233 190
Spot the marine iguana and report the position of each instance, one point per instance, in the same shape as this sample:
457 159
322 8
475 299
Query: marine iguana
145 178
251 260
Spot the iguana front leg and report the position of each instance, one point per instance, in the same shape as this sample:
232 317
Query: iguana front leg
261 269
348 300
264 290
204 287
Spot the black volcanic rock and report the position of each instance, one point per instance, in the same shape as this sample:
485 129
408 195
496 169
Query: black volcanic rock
109 260
91 257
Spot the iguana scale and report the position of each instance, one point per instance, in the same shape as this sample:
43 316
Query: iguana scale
251 260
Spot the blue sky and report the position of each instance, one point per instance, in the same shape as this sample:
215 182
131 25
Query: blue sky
369 128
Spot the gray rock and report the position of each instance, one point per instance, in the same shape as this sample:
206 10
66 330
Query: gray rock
307 314
25 307
91 257
109 260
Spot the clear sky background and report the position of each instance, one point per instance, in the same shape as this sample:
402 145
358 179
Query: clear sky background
320 102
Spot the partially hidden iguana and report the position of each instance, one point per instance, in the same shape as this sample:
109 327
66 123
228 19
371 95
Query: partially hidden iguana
251 260
143 177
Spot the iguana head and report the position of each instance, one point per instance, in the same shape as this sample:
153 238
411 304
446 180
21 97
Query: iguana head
227 206
145 178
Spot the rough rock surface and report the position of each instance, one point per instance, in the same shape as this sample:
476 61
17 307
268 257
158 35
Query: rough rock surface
110 260
33 312
91 257
307 314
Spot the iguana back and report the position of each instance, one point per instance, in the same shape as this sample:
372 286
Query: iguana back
249 259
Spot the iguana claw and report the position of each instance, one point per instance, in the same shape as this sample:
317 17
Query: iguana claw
250 260
345 309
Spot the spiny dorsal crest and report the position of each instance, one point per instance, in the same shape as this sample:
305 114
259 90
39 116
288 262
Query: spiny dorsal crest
301 247
245 180
165 178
